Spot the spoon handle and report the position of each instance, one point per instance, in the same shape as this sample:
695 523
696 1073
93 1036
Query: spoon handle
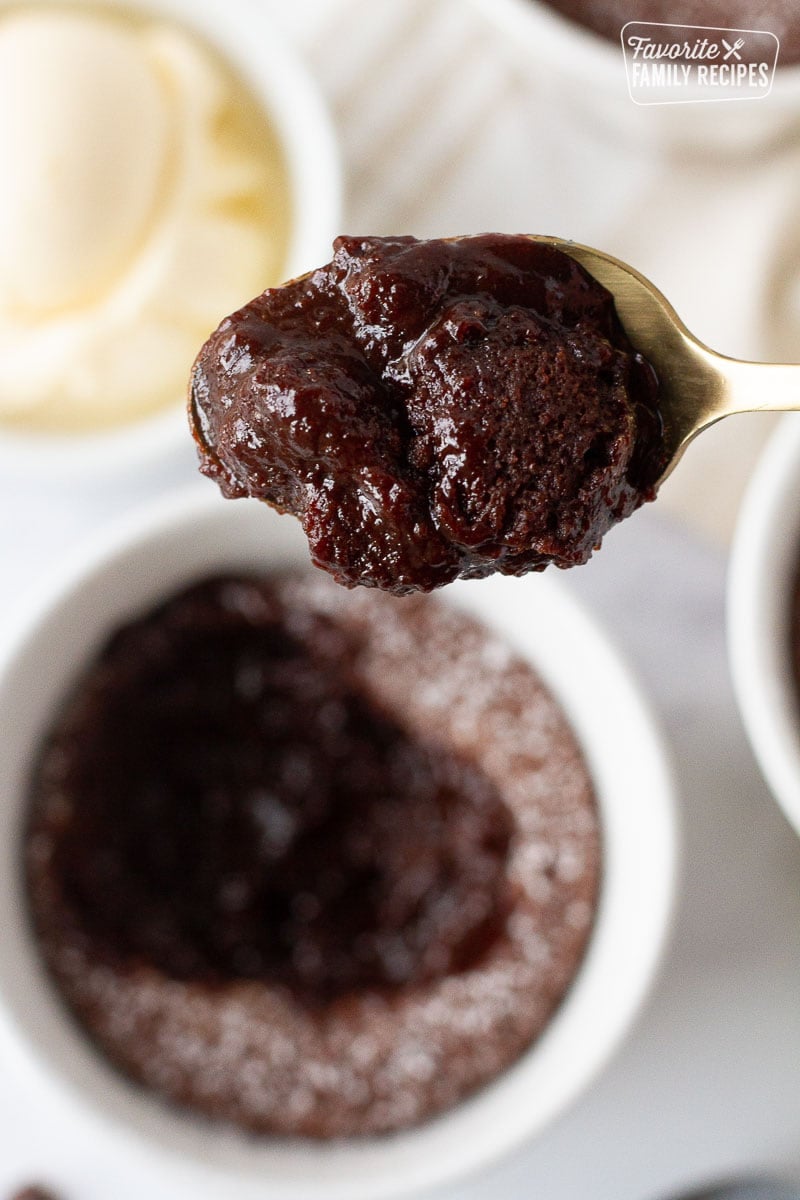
760 387
709 386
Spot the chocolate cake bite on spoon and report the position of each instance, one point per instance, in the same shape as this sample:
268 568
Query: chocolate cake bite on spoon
433 409
450 408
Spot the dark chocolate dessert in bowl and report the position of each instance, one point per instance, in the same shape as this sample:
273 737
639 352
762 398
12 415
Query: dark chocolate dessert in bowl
340 892
609 17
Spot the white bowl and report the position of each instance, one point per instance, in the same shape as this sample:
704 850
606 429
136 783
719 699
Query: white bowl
592 70
764 572
243 33
166 546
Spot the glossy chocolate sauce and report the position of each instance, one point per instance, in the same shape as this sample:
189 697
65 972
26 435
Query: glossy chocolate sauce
433 409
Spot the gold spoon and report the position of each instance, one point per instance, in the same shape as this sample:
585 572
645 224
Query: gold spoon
698 386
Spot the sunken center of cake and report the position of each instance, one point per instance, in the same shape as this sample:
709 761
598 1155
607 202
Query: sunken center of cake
288 870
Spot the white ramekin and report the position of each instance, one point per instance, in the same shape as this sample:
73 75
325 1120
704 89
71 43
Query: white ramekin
764 573
195 533
591 71
242 31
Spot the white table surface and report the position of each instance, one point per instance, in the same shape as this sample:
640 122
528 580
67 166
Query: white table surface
707 1083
